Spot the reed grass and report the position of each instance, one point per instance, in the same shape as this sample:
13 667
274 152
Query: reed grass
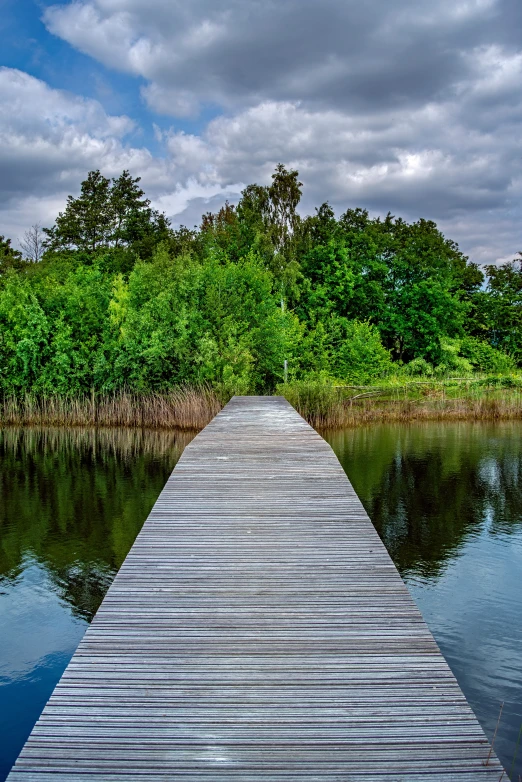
323 405
181 408
330 407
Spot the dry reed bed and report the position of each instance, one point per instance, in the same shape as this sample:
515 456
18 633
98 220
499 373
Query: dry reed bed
343 413
191 409
182 408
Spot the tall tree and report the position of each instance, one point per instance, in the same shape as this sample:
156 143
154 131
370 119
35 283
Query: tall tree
109 214
129 207
252 211
9 257
88 221
284 195
503 306
136 225
222 231
269 220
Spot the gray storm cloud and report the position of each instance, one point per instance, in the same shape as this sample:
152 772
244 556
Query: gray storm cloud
412 107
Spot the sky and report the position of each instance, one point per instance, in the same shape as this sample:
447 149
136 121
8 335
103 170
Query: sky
410 106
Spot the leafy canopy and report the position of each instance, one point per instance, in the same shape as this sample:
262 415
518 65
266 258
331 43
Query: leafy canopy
120 299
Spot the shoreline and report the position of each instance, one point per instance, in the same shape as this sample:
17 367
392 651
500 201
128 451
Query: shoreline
325 408
411 411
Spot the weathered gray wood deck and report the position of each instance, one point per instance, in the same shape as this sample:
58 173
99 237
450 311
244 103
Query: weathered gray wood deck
258 630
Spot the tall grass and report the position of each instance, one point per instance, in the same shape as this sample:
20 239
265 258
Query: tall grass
181 408
479 398
323 405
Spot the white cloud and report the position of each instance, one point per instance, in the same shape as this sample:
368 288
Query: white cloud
110 39
241 53
179 103
404 106
50 139
29 99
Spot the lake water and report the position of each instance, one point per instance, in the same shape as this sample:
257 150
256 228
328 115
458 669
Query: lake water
445 498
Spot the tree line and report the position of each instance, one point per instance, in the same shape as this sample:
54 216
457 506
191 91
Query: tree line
111 296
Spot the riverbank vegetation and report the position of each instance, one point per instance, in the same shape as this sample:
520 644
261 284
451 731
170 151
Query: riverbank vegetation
113 317
477 398
321 403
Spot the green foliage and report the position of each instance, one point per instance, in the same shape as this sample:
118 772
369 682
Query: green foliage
501 308
108 214
484 357
452 362
419 367
407 280
9 257
357 353
502 381
24 336
120 300
175 321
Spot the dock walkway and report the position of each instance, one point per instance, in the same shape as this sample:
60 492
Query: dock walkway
258 631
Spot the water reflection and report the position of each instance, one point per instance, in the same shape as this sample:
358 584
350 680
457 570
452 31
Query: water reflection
447 502
446 499
71 505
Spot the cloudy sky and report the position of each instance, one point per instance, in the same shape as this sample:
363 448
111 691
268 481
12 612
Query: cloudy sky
409 106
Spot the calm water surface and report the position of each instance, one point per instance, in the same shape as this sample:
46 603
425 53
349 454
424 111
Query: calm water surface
71 505
446 500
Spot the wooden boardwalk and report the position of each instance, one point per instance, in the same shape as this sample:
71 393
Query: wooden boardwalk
257 631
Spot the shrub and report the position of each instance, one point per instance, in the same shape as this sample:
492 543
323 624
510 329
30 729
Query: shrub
452 363
358 354
419 367
484 357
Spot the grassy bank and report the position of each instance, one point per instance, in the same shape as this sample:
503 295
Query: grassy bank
181 408
322 405
476 398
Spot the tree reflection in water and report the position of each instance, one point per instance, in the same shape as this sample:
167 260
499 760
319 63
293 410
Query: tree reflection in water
446 500
74 501
428 487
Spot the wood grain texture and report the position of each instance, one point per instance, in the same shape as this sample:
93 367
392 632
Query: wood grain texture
258 630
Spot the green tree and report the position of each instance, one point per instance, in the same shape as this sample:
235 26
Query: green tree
357 353
122 300
405 279
221 232
108 214
252 214
77 311
502 305
484 357
88 221
128 205
136 225
269 222
9 257
423 302
283 220
24 336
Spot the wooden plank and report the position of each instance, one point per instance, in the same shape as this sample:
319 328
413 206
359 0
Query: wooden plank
258 630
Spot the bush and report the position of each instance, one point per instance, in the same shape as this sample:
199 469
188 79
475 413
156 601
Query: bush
419 367
486 358
501 381
358 354
452 363
458 366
